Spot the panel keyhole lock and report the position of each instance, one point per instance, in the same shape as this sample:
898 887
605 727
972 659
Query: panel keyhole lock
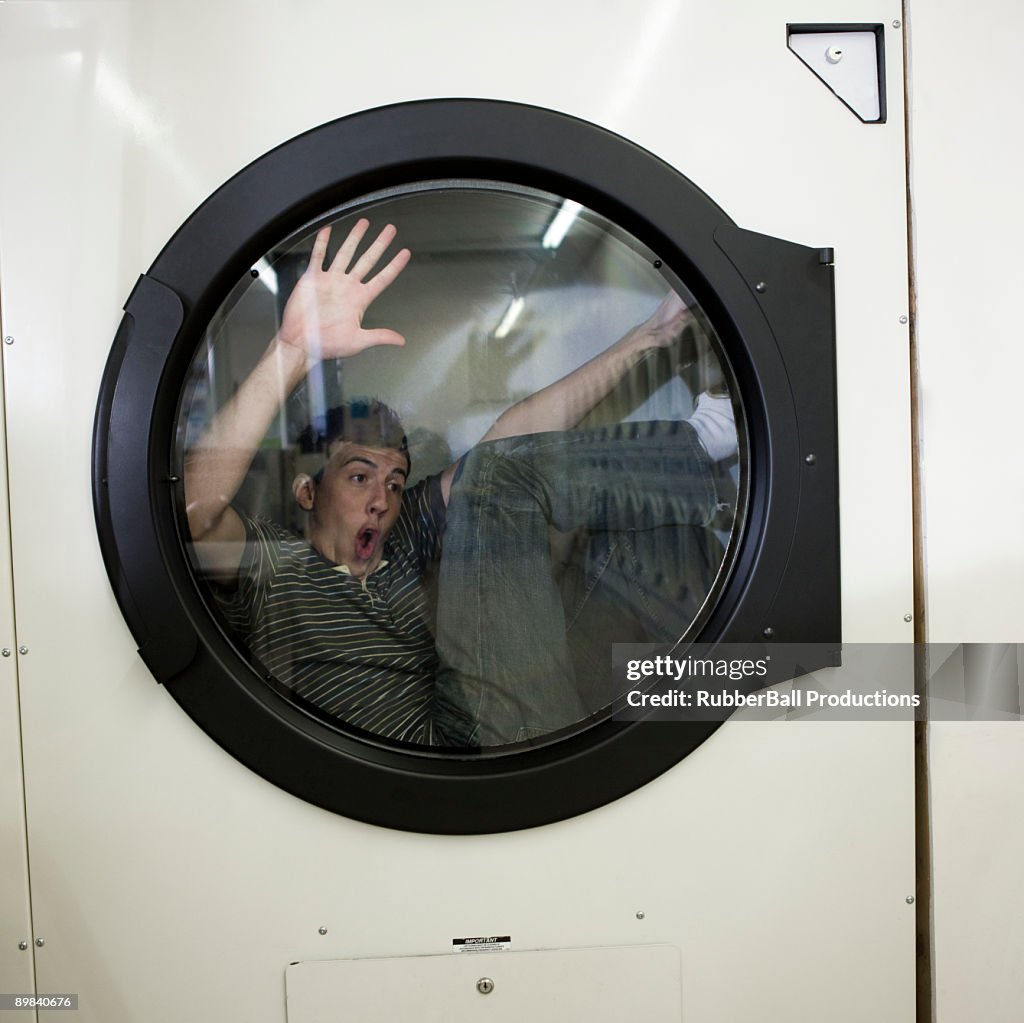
834 54
485 985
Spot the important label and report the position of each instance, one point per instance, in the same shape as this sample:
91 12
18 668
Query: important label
492 943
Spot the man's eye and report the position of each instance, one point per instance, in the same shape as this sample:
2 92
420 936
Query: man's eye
358 477
395 488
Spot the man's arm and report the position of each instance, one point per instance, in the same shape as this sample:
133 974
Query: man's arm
322 319
561 405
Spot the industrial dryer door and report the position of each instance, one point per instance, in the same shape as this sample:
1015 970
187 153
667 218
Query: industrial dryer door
689 504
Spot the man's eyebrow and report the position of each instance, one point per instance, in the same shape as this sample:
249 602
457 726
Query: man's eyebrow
372 464
359 458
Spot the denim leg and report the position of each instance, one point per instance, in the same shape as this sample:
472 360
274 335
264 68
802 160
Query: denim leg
502 613
637 586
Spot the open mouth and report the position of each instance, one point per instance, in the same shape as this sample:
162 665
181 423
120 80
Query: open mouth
366 543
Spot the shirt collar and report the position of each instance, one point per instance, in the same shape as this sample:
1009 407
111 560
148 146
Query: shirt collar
345 570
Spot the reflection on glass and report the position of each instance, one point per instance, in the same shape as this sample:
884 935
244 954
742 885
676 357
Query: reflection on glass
443 449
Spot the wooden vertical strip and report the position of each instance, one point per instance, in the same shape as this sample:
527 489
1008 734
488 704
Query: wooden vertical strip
922 809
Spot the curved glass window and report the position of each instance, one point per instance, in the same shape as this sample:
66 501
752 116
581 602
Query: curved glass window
424 505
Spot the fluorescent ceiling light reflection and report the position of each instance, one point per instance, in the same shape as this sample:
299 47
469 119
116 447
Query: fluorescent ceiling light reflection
118 96
114 92
559 226
509 319
638 68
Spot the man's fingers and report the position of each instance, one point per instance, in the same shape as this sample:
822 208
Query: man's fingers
368 260
381 336
671 307
319 253
349 245
385 276
680 320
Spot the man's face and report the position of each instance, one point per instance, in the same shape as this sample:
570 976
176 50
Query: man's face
355 504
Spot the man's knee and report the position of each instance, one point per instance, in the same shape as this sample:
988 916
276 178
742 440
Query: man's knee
496 470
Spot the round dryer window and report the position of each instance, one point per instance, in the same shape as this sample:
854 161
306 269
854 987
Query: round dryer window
427 424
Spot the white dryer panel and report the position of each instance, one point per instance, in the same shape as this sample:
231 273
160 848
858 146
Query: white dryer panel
169 881
582 985
16 934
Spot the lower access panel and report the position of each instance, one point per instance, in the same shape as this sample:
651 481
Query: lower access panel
578 985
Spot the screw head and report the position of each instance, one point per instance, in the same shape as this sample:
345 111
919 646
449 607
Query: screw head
760 287
640 914
485 985
811 459
910 900
40 942
908 618
322 930
23 650
6 651
896 23
768 632
23 945
904 319
834 54
8 340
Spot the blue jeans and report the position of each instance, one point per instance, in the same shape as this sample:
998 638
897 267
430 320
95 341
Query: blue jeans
556 546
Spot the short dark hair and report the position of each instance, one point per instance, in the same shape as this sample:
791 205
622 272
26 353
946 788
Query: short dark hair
366 421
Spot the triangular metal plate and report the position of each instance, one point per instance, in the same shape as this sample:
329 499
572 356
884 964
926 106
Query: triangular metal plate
850 60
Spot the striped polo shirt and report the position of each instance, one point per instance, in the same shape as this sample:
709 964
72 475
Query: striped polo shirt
361 651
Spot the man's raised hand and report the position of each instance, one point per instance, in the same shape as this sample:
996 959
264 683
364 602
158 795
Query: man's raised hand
323 316
667 322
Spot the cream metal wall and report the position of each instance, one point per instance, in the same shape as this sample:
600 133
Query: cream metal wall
16 962
167 881
967 84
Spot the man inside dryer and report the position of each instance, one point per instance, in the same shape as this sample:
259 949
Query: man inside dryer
546 542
